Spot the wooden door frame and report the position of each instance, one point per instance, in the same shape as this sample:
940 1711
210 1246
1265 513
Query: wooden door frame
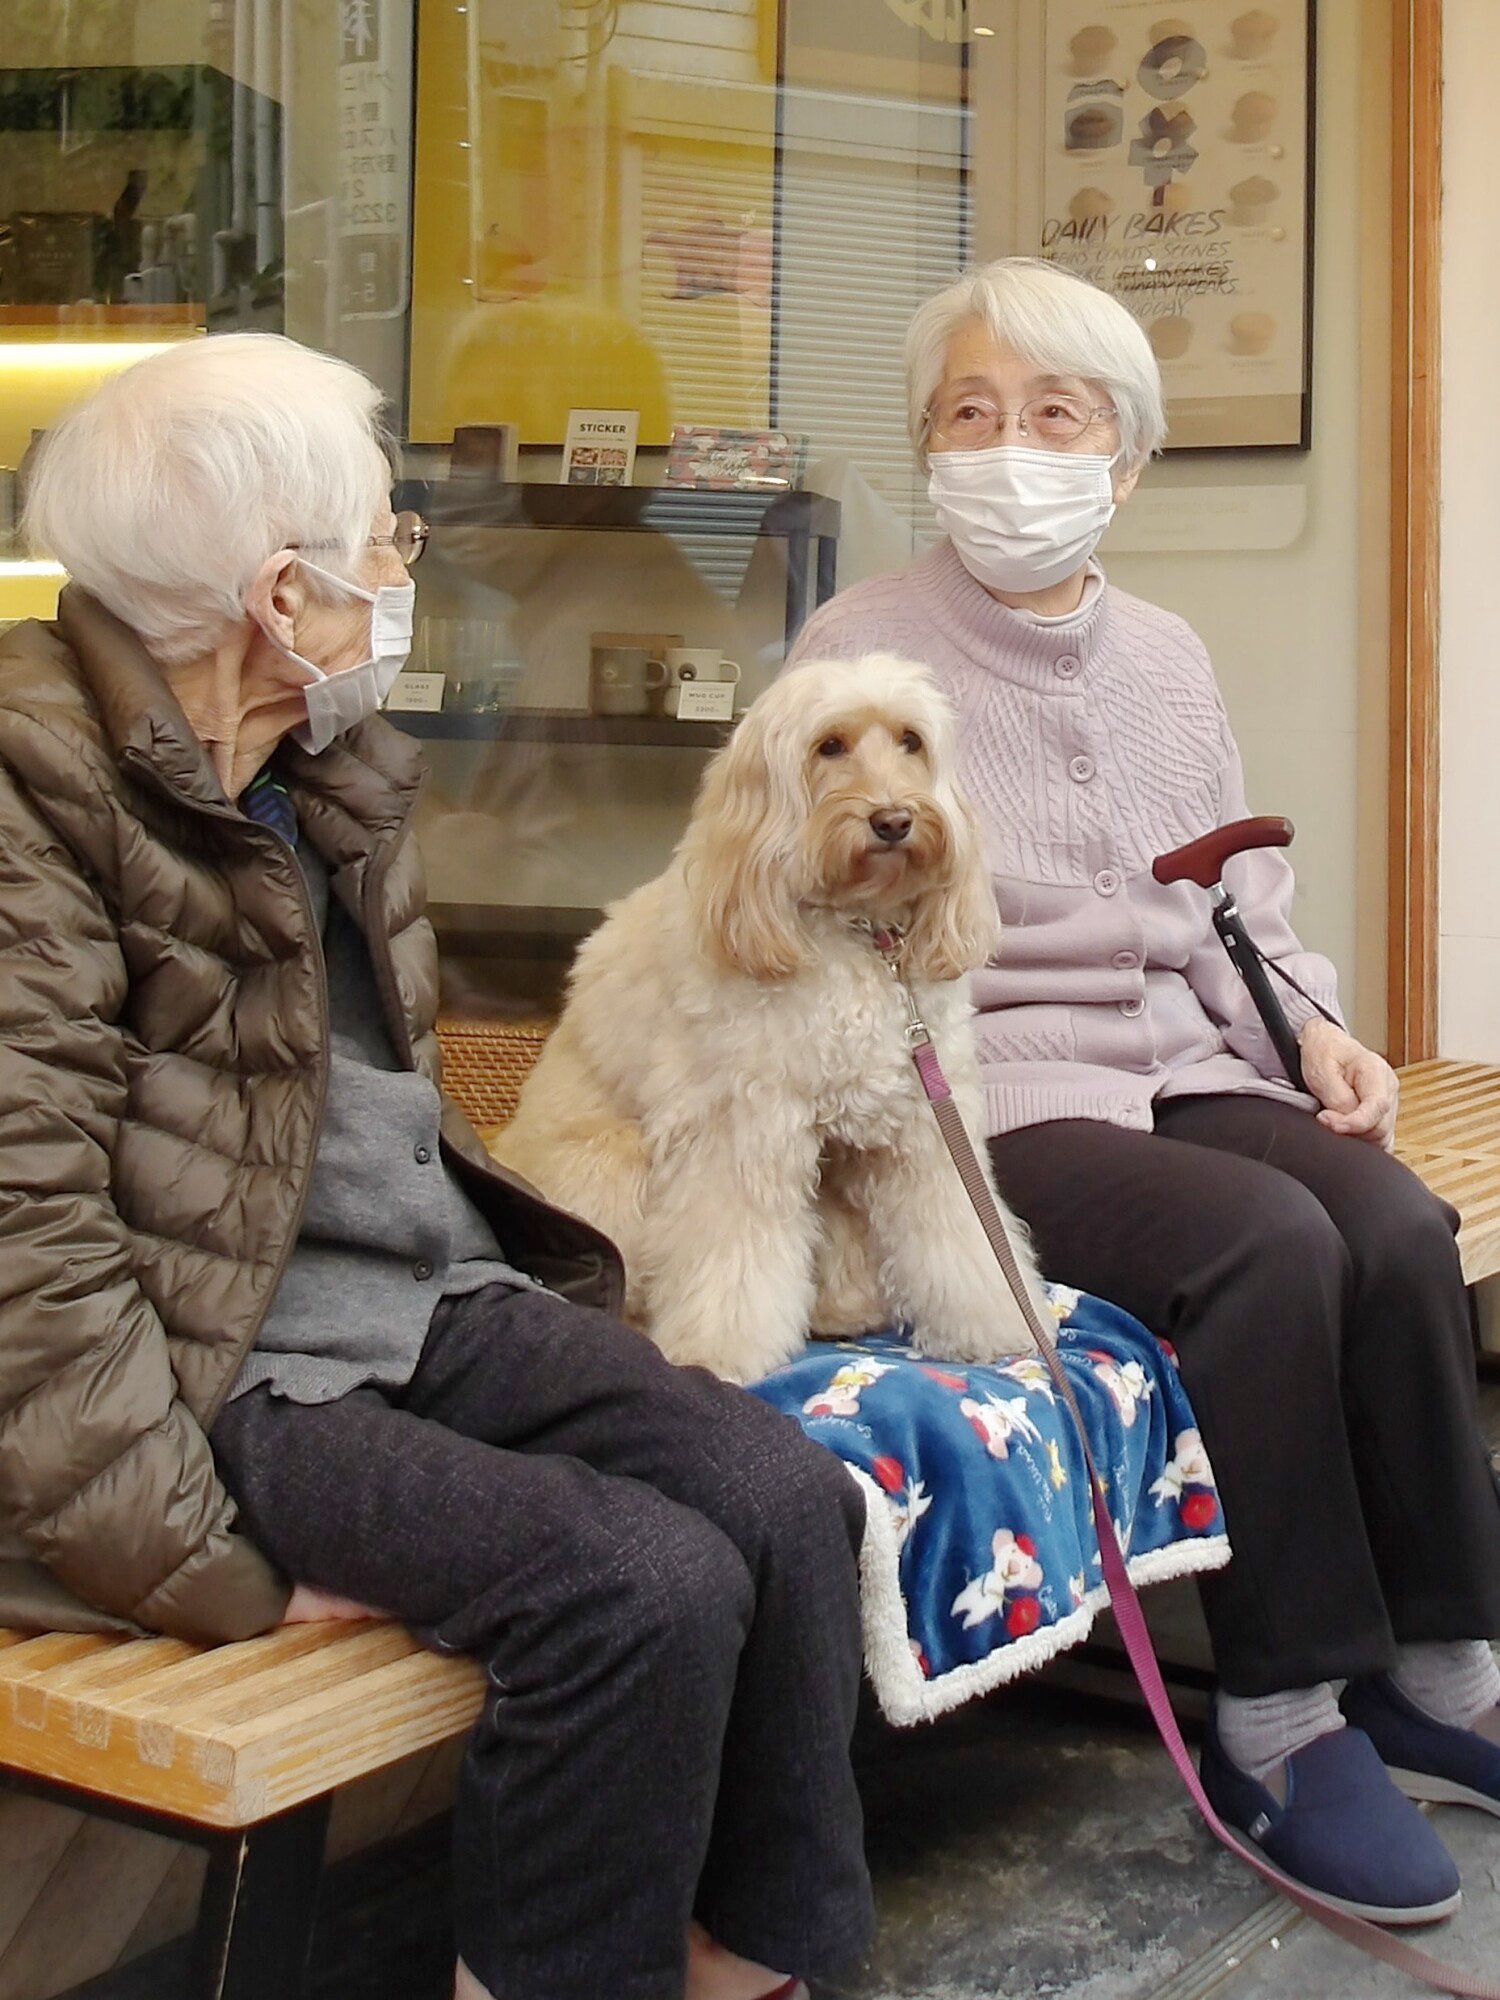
1416 214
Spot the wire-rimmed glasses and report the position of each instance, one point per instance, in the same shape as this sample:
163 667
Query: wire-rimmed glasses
965 420
408 538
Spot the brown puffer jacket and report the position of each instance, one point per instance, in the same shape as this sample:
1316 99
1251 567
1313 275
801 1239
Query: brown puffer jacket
163 1063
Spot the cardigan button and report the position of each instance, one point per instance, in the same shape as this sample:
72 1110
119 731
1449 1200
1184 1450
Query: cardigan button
422 1269
1107 881
422 1155
1067 665
1081 770
1132 1008
1125 961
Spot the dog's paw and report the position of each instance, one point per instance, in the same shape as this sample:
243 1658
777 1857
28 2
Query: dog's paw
695 1342
999 1336
835 1319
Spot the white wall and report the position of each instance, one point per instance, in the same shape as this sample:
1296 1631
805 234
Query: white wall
1289 627
1278 559
1469 796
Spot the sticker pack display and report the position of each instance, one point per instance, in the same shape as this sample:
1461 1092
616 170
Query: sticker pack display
599 449
721 458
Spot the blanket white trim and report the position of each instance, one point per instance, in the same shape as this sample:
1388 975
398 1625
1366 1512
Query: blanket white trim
904 1694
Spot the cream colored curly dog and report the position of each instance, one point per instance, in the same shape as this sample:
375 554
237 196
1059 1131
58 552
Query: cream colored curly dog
728 1094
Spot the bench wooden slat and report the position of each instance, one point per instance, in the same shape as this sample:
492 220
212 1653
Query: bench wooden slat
1440 1083
349 1699
180 1684
119 1666
1448 1132
250 1698
408 1705
1441 1079
1434 1095
1471 1132
39 1653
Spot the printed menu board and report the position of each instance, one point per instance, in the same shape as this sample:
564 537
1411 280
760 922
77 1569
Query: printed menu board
1177 174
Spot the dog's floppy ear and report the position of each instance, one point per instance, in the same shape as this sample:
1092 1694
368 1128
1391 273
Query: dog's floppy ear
955 927
741 853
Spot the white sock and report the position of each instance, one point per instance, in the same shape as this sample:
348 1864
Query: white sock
1259 1732
1456 1683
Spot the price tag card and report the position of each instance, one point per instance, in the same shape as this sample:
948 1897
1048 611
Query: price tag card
416 694
706 701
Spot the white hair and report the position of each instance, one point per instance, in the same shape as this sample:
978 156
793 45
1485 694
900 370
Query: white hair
165 491
1058 322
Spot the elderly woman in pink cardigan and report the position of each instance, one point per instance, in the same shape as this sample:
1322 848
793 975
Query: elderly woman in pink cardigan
1142 1124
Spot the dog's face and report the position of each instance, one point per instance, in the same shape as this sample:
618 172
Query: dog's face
875 833
837 793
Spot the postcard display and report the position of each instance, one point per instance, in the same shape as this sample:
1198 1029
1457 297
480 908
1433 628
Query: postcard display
1176 173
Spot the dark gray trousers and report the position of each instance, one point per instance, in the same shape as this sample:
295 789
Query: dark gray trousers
1311 1287
658 1572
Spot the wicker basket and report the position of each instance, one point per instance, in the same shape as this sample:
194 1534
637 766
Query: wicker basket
486 1062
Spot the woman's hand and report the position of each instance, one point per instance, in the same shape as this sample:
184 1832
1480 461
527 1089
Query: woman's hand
310 1607
1357 1088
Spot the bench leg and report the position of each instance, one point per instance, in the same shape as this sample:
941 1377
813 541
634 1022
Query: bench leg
260 1896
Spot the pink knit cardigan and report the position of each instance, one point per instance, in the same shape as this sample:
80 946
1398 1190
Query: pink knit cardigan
1089 745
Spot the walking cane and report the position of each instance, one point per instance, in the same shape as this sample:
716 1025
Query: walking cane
1202 861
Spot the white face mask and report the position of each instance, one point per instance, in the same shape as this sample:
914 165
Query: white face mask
336 701
1021 518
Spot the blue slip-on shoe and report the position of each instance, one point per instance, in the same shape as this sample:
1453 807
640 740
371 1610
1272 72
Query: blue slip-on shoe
1344 1830
1427 1759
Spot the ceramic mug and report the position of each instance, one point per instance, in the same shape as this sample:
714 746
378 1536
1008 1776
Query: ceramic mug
686 665
624 679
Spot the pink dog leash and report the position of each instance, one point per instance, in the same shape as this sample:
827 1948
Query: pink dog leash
1125 1602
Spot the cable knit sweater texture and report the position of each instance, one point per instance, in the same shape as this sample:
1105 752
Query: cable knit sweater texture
1089 745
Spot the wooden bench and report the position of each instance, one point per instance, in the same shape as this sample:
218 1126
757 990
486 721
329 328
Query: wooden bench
239 1749
236 1749
1449 1133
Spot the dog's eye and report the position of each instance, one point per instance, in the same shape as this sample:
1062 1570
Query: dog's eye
910 741
831 746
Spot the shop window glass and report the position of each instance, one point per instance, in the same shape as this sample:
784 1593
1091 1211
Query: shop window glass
701 213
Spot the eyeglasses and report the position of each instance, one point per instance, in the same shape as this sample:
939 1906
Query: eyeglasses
966 422
408 539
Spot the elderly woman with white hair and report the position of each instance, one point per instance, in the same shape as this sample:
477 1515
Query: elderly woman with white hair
278 1341
1141 1123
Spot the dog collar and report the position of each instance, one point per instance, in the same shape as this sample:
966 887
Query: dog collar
888 939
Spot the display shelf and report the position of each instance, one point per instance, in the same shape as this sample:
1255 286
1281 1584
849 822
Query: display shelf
667 510
525 930
561 725
808 523
79 322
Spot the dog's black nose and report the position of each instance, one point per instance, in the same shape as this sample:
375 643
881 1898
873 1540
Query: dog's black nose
891 824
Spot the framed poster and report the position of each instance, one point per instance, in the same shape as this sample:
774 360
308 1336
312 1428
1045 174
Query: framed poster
1177 172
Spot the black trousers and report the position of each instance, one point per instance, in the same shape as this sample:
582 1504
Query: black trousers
1311 1287
659 1574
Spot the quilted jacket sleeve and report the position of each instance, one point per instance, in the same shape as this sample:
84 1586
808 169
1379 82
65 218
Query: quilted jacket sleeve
106 1477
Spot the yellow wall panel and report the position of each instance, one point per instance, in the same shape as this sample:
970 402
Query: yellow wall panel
39 379
562 207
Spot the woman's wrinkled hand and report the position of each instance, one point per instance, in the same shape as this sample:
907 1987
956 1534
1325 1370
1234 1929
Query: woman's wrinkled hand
1357 1088
307 1606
